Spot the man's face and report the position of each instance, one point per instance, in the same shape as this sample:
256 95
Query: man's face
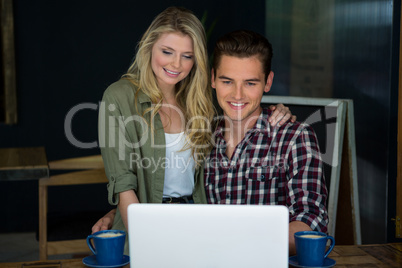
240 84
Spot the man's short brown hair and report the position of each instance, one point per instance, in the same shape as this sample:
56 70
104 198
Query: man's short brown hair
244 44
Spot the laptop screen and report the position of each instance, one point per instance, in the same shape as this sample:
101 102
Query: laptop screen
191 235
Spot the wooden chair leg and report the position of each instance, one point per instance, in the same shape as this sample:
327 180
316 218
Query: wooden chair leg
43 197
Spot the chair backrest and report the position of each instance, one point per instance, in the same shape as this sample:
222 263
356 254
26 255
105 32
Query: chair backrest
333 123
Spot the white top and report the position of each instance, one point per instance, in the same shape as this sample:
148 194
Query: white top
179 167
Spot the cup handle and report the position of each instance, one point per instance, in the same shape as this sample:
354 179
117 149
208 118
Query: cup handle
331 246
89 242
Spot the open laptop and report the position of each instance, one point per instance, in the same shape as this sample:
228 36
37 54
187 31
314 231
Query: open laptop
195 236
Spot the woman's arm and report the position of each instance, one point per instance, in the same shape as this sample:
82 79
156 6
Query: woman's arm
106 222
126 198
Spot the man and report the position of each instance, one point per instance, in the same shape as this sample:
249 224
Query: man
253 162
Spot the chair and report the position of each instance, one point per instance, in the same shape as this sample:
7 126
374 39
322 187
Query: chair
94 174
86 162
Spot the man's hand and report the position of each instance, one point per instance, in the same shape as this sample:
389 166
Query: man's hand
294 227
105 223
281 114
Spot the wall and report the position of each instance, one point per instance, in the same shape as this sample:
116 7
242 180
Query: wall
67 53
347 49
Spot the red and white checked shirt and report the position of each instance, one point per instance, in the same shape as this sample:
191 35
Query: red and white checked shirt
271 166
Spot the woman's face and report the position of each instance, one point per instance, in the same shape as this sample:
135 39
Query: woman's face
172 59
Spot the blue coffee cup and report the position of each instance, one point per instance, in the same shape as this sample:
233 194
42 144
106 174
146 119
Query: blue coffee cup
311 247
107 246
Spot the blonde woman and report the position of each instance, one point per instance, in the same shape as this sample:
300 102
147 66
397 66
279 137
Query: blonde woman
154 125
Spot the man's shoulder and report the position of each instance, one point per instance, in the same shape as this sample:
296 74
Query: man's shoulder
296 127
287 126
296 133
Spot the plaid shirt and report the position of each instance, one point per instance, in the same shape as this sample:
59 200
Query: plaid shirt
271 166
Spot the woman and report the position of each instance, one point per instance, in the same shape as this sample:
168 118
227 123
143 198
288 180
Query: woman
155 130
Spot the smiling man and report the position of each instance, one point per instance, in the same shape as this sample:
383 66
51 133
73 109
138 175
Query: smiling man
253 162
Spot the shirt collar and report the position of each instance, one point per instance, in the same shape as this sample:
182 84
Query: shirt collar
262 124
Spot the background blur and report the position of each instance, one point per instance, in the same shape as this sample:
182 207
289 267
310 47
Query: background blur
68 52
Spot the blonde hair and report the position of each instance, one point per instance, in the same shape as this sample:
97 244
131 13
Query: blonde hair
193 93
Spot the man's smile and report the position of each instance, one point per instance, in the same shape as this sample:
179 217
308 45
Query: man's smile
237 105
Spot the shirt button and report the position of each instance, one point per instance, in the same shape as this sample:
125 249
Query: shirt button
263 176
227 196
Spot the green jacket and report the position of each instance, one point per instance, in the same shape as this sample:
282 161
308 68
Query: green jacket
134 153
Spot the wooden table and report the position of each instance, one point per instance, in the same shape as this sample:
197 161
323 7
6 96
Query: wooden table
381 255
72 263
20 170
23 164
